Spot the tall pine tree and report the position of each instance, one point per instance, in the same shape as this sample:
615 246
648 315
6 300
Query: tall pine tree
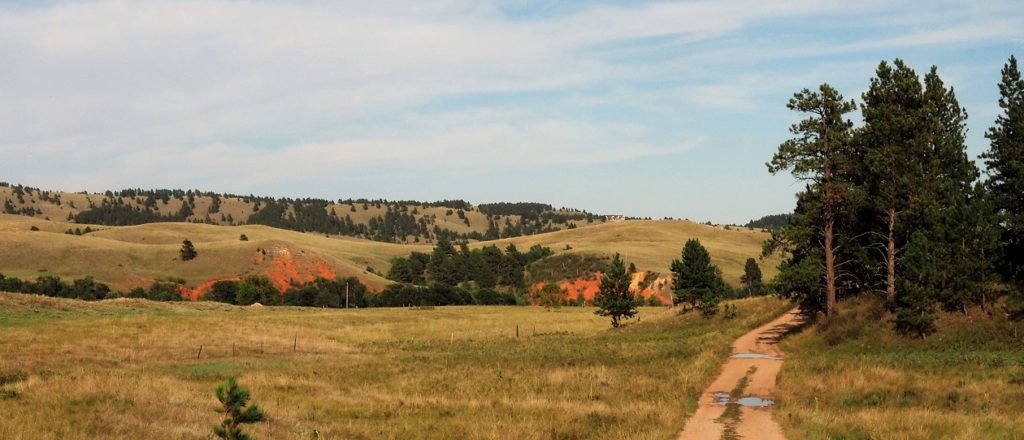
893 144
1005 161
818 149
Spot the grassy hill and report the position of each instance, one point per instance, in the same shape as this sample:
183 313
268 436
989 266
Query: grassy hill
379 220
131 256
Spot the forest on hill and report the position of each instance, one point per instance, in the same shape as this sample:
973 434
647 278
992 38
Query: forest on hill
393 221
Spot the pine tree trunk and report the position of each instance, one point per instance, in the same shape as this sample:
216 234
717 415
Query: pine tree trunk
830 258
830 271
890 282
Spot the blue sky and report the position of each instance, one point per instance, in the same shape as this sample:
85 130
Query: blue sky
638 108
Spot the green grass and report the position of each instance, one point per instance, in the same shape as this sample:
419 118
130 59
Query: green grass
446 372
855 379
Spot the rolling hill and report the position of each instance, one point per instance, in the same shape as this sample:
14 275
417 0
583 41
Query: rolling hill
132 256
378 219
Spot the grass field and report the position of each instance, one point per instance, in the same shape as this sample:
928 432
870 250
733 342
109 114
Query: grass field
856 379
132 369
132 256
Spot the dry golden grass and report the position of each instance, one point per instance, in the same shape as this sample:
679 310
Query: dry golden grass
131 256
653 244
856 379
128 369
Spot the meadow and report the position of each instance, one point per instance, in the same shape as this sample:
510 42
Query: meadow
132 369
851 379
134 256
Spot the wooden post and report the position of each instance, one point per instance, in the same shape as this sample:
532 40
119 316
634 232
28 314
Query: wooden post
200 352
346 293
517 330
295 342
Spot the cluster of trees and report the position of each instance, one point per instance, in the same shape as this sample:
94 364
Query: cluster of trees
437 294
895 206
82 288
774 221
321 292
486 268
119 213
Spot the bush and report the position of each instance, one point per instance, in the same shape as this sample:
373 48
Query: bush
164 292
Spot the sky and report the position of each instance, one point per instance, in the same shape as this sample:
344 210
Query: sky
649 109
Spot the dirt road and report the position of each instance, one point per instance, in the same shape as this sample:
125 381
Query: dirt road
738 402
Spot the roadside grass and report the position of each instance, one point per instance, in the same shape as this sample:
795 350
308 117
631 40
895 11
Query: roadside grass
132 369
856 379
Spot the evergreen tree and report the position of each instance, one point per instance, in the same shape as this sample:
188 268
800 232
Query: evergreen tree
233 400
614 298
443 265
918 280
188 251
894 154
695 279
751 277
817 154
1005 161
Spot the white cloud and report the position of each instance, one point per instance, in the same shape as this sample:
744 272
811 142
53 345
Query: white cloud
314 86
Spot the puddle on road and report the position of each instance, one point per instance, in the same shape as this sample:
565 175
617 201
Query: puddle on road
755 402
722 398
755 356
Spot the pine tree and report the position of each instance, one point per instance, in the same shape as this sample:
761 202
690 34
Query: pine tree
918 280
614 298
752 277
1005 161
894 154
695 279
815 155
188 251
233 400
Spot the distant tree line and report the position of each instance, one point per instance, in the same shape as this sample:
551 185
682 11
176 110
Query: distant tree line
401 222
774 221
894 206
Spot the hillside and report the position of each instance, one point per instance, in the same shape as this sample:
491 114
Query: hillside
379 220
132 256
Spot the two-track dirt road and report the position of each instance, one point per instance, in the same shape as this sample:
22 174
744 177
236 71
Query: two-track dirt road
745 387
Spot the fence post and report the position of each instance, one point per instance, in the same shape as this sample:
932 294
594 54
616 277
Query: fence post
200 351
295 343
517 330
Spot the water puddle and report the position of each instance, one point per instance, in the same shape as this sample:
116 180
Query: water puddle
755 356
755 402
722 398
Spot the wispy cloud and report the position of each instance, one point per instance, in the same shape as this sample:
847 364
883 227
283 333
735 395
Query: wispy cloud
91 88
